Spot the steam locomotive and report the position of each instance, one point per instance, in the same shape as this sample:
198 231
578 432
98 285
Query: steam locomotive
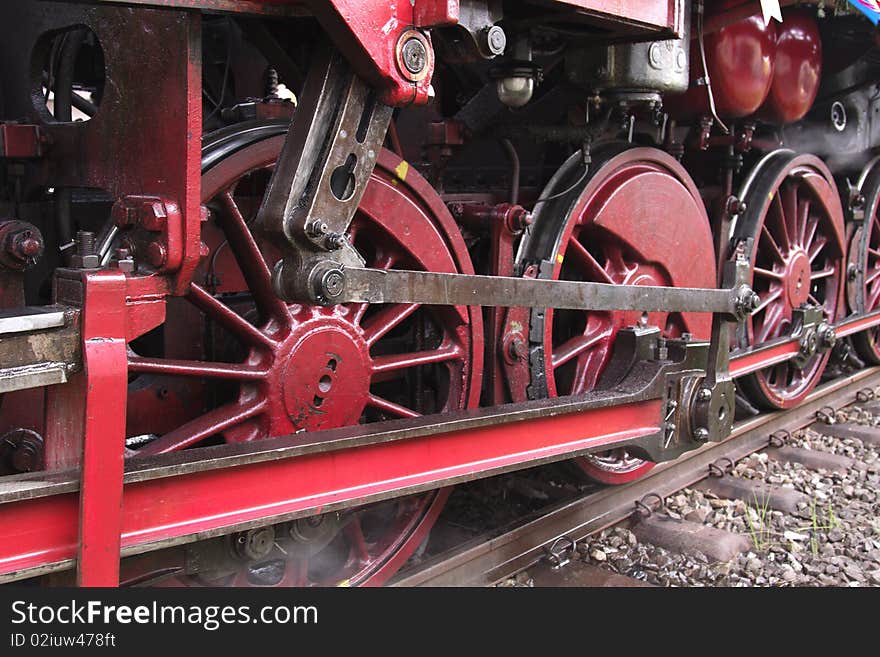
276 275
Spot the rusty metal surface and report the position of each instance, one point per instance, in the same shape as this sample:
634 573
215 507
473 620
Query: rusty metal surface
38 348
489 559
398 286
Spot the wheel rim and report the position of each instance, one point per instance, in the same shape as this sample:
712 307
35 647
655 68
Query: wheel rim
597 233
795 221
277 369
865 251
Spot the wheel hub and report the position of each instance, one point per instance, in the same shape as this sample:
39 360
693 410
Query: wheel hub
324 374
797 279
642 275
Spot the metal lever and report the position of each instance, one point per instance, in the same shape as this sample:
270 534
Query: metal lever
323 170
334 284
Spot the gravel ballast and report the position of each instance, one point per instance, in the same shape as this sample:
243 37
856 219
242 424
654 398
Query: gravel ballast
832 540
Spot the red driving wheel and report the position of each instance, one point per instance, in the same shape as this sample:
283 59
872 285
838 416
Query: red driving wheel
257 367
864 289
635 219
794 220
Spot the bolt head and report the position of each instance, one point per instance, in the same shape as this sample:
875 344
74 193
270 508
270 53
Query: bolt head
336 241
414 55
328 283
333 283
157 254
89 261
827 337
496 40
317 228
704 394
735 206
256 543
518 349
701 434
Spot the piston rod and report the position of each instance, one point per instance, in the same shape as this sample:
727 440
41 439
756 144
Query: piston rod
335 285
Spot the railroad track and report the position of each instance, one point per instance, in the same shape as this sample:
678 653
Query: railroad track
493 557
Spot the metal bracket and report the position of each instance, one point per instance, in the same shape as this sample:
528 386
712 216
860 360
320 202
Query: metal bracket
559 553
813 332
323 170
778 438
826 415
721 467
649 504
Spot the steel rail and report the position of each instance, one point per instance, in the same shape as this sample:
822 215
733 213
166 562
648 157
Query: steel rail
488 559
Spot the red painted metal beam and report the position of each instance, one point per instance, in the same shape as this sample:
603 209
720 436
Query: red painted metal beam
779 351
765 356
104 358
198 502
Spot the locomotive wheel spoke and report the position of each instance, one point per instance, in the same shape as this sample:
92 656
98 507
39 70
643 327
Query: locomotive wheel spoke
390 407
251 262
816 247
772 323
385 320
585 261
779 217
211 423
577 345
228 318
586 373
789 210
822 273
766 235
766 273
803 220
197 368
874 298
769 298
811 232
382 364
